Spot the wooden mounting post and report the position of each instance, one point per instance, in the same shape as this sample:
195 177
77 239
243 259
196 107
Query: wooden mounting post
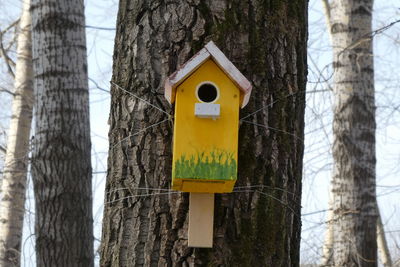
201 220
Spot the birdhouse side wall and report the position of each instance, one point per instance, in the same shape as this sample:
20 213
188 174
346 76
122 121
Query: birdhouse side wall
205 149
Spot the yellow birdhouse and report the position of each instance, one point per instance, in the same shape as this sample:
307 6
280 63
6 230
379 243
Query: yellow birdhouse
208 91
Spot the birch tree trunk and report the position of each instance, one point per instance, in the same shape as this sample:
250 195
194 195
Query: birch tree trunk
13 186
353 183
61 160
257 227
329 238
383 249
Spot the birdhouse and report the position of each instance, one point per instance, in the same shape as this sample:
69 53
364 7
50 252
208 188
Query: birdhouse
208 91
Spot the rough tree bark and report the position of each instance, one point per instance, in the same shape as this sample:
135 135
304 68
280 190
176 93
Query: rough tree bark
353 183
13 186
61 166
259 227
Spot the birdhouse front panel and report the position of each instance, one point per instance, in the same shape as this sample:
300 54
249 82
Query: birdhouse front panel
206 131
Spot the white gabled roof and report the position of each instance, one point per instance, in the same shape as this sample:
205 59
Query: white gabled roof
210 50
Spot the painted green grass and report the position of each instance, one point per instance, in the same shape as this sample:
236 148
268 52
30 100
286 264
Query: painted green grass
219 165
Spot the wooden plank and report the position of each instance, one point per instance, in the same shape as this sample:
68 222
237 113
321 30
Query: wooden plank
201 220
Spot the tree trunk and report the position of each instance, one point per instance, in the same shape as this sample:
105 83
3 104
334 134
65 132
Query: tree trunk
328 241
61 166
382 243
259 224
13 186
353 183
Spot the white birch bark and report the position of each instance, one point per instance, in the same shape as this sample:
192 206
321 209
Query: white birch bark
329 238
328 241
383 249
16 161
353 183
61 167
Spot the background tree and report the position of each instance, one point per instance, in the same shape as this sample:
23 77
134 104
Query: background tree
260 226
354 212
13 185
318 138
61 166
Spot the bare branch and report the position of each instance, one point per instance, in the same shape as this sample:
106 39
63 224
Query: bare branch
9 27
2 89
321 75
384 28
8 61
98 86
100 28
369 36
12 42
3 50
3 149
327 11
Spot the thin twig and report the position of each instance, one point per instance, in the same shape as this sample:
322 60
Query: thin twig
143 130
2 89
98 86
9 26
236 189
169 192
8 60
147 102
3 149
141 195
272 128
269 105
314 212
368 36
321 74
139 188
327 10
264 186
277 199
11 42
100 28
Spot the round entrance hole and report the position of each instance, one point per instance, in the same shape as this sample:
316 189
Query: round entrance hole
207 92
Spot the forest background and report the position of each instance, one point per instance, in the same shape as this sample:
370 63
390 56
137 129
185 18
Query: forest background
100 20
